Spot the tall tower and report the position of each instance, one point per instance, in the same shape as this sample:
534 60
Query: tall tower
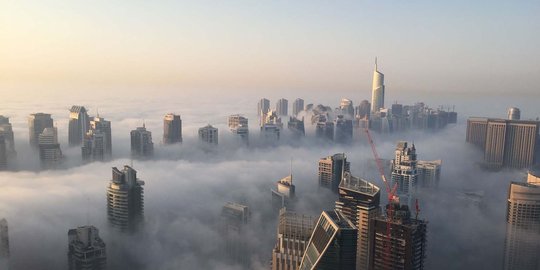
293 233
359 202
125 201
79 124
141 143
37 122
377 94
282 107
6 130
404 171
298 106
332 244
405 246
3 153
514 113
343 129
94 146
331 170
208 134
49 148
4 244
263 107
284 194
234 217
86 250
172 129
99 124
238 125
522 243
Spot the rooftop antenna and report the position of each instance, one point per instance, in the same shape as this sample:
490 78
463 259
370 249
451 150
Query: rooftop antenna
375 63
143 124
291 170
97 112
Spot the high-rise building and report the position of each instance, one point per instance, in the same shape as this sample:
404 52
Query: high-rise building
99 124
3 154
284 194
234 217
324 129
172 129
400 242
263 107
6 130
404 170
271 127
37 122
359 202
506 143
332 244
49 148
141 143
86 250
343 129
296 126
208 134
297 106
522 243
331 170
293 233
94 146
4 245
514 113
347 108
377 94
363 110
79 124
429 173
125 199
238 125
282 107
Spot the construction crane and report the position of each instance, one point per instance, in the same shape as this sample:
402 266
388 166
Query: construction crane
391 193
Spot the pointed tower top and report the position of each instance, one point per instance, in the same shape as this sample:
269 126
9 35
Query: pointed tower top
97 112
291 170
143 124
375 63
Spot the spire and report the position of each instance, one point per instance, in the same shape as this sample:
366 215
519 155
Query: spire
291 170
375 63
97 112
143 124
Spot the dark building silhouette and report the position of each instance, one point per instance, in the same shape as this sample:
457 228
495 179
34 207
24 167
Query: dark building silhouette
141 143
172 129
4 245
86 250
125 199
298 106
343 129
296 126
37 122
324 129
282 107
331 171
100 125
79 124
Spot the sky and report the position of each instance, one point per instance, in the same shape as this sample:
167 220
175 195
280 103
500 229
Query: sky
280 46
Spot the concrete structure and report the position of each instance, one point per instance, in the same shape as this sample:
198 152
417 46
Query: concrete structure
3 154
514 113
332 244
343 130
506 143
404 171
172 129
239 126
141 143
209 135
263 107
406 241
293 233
324 129
234 217
79 124
363 110
125 199
6 131
359 202
100 125
284 194
4 245
331 171
37 122
522 244
377 94
94 146
86 250
271 127
49 148
298 106
296 126
429 173
282 107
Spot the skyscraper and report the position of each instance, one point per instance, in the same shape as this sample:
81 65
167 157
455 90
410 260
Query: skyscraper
363 110
429 173
6 130
404 170
514 113
400 242
293 233
86 250
282 107
347 108
94 146
298 106
234 217
506 143
377 94
99 124
125 200
271 127
4 245
284 194
343 129
172 129
209 135
263 107
296 126
359 202
238 125
332 244
37 122
324 129
79 124
141 143
331 170
49 148
3 153
522 243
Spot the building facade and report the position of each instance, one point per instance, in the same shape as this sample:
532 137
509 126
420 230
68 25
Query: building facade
50 153
141 143
343 130
172 129
377 94
125 199
86 250
208 135
99 124
331 171
284 194
429 173
37 122
79 124
4 245
404 171
282 107
293 233
298 106
239 126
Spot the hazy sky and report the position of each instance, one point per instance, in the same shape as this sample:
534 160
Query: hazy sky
458 46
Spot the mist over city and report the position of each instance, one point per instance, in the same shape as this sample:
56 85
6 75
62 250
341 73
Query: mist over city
276 136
